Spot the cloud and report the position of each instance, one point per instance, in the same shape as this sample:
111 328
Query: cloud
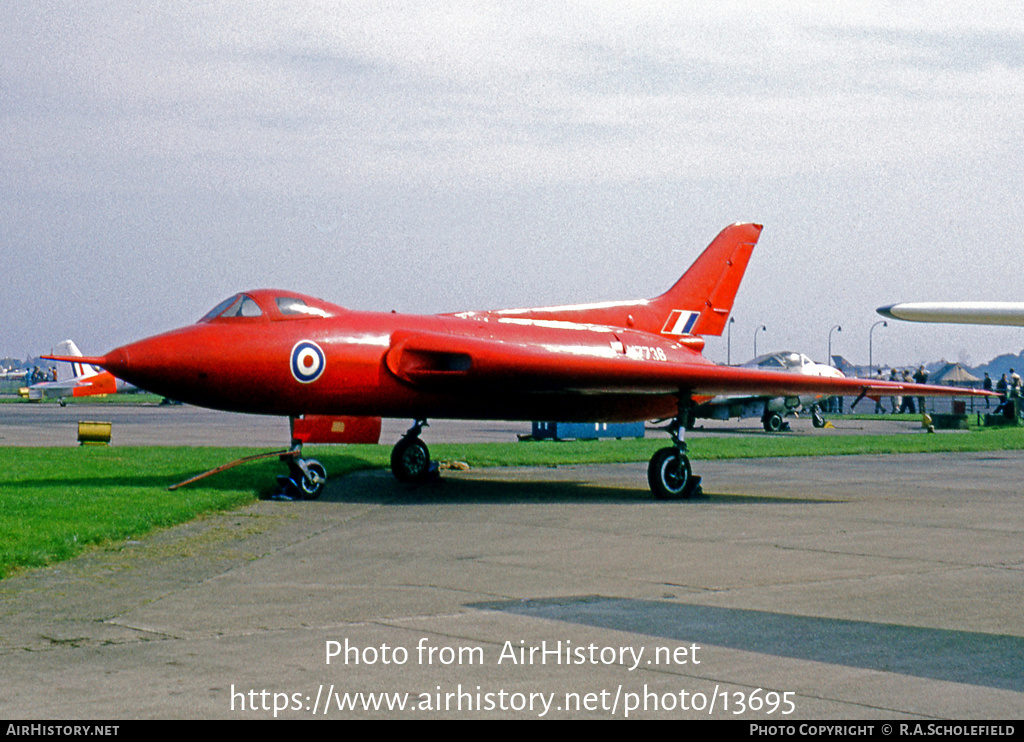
283 137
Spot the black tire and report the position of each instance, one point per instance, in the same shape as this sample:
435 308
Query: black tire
410 460
817 419
669 475
312 486
773 422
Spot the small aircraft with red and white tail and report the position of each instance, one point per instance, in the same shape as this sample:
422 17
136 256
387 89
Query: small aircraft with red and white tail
85 381
281 353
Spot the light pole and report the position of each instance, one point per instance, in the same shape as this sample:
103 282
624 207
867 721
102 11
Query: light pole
762 327
871 356
840 329
728 343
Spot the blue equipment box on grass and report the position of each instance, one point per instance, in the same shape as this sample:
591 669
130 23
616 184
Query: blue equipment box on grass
586 431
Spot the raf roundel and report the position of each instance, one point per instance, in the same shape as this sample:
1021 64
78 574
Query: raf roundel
308 361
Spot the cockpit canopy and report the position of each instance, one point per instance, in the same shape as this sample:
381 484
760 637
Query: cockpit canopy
273 305
784 361
238 305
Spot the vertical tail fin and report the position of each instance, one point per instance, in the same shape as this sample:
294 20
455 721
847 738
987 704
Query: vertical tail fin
78 370
700 302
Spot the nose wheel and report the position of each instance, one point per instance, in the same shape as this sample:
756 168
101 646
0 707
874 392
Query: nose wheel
305 479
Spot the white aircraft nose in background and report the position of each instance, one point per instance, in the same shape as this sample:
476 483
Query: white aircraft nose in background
958 312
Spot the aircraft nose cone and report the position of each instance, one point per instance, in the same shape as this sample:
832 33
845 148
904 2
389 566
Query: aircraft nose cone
887 311
146 363
116 360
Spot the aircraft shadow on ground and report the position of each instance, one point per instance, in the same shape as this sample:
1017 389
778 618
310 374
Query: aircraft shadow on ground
988 660
380 487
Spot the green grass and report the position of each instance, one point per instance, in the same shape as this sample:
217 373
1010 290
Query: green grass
135 398
56 502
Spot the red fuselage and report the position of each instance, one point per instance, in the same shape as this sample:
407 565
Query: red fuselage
271 363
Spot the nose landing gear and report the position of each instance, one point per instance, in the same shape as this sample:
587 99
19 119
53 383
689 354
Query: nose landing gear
305 479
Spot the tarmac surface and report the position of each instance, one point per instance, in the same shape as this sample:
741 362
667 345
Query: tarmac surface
49 424
868 587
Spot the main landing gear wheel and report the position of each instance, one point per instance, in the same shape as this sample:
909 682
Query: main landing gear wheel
772 422
817 419
670 476
410 458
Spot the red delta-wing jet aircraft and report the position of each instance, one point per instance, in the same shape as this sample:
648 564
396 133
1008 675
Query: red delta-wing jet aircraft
276 352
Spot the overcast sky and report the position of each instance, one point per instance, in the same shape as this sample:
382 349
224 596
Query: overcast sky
427 157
